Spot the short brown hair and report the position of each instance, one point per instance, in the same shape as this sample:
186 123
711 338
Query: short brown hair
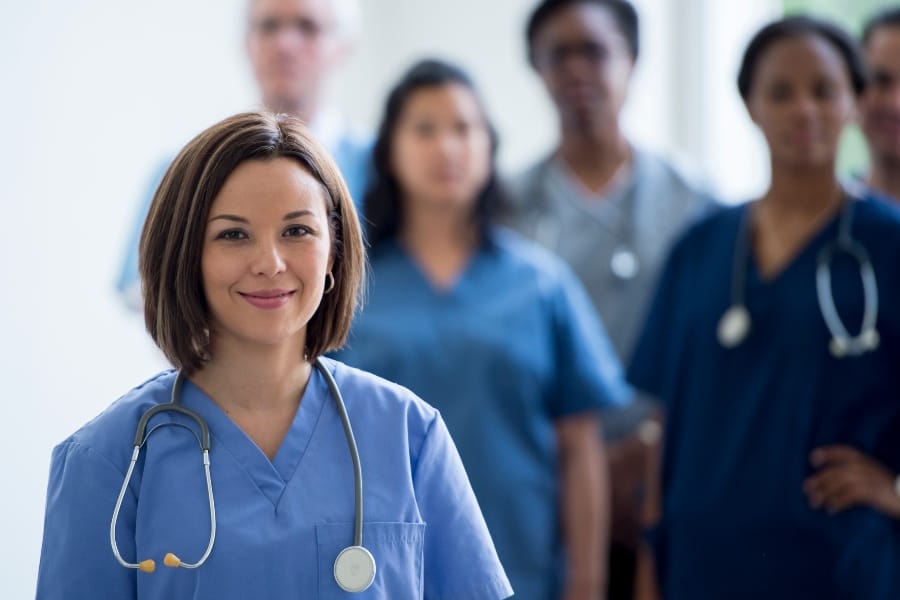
175 308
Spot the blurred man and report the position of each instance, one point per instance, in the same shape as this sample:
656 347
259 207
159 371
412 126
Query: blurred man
880 105
608 208
294 47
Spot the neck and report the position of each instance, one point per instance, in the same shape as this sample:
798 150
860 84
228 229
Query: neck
433 231
806 191
254 378
595 154
884 176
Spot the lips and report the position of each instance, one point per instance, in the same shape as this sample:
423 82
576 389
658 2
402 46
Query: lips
268 299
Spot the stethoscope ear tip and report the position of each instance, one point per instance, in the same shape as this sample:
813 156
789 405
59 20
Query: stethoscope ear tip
170 560
147 566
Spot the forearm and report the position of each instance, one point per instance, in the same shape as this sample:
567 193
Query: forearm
585 507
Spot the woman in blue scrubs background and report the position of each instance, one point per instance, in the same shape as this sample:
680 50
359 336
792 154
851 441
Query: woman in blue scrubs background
251 262
754 414
493 331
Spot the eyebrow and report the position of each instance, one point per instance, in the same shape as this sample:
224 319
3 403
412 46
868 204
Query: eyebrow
288 217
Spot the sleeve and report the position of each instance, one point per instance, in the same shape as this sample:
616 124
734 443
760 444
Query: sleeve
129 283
460 560
654 350
588 372
76 559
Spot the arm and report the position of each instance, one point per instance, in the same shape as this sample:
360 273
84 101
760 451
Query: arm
460 559
846 478
76 559
585 504
646 586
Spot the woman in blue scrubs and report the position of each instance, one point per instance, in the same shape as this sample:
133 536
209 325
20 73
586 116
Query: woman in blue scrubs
252 259
756 390
493 331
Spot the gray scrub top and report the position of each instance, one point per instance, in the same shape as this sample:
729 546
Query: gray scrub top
643 212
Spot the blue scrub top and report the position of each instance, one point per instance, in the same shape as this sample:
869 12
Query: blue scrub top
513 346
742 422
352 153
281 524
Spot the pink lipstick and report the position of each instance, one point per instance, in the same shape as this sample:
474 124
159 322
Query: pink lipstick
268 299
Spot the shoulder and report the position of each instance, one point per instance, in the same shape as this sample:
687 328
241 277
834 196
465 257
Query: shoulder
354 143
710 230
683 185
111 433
525 186
876 211
527 260
379 398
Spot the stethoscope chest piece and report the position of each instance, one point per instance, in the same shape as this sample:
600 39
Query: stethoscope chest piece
624 263
733 326
354 569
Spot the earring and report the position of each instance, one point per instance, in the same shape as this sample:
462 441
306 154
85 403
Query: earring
329 282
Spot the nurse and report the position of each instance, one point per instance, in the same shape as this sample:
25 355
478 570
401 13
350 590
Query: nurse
493 331
251 260
752 400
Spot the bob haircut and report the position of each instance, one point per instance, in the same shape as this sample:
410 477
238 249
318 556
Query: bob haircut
799 26
383 203
176 312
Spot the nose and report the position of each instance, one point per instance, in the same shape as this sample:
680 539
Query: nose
267 259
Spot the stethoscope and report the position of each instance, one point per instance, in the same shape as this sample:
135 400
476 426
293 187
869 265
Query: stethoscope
735 323
624 263
354 567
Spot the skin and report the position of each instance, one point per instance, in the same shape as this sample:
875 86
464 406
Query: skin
442 160
801 100
585 65
846 478
293 46
880 110
267 230
441 157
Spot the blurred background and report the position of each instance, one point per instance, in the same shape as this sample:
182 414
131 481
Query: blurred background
97 93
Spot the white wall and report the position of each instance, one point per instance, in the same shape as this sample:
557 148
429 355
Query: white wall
97 92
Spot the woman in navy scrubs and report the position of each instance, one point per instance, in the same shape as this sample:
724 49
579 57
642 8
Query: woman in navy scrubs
756 390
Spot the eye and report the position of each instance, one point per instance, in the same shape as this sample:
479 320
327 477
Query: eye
308 28
296 231
824 90
268 26
779 92
424 129
232 235
882 80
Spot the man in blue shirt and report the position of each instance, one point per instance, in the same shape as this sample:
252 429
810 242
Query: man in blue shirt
880 103
293 46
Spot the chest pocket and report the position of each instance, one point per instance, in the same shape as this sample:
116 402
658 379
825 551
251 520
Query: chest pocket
398 549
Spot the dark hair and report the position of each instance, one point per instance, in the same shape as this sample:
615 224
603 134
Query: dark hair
797 26
623 12
175 308
889 17
382 204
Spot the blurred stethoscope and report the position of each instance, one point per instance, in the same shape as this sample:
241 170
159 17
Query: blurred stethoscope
735 323
624 263
354 567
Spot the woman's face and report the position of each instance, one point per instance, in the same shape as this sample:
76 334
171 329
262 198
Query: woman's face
266 250
441 147
801 98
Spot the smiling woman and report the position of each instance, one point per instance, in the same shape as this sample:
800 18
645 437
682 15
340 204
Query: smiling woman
252 260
